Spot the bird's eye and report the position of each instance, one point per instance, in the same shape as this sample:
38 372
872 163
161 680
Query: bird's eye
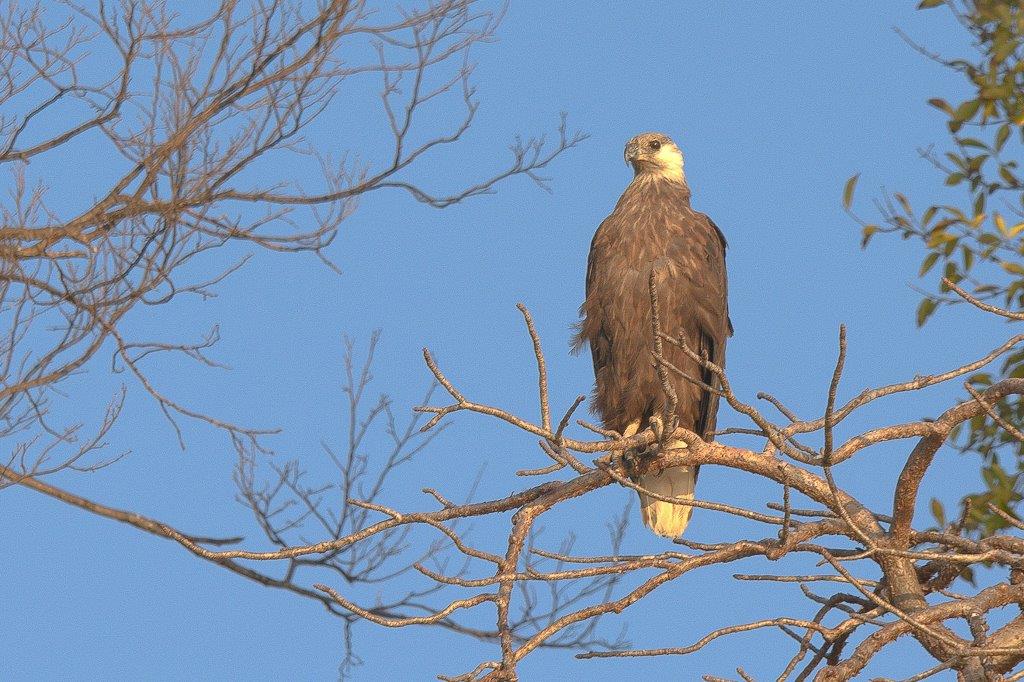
654 144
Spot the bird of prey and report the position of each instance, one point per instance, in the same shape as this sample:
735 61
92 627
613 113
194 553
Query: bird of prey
653 228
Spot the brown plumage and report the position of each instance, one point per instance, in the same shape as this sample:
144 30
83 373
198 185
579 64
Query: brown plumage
654 227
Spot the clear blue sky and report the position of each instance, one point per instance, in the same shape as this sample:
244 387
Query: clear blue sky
775 105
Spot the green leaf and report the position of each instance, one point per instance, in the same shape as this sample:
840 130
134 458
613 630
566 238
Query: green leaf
968 575
981 379
904 203
938 512
1002 136
927 264
1004 48
968 257
851 185
941 105
1012 268
939 237
869 231
925 310
979 208
967 110
928 4
998 91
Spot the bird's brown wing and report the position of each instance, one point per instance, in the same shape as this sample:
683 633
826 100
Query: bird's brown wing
697 306
595 326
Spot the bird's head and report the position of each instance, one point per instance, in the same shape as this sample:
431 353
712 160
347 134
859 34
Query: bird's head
655 153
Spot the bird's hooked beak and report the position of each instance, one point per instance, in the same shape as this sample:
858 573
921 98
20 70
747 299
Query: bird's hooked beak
632 151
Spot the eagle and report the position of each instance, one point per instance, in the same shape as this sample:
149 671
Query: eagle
653 228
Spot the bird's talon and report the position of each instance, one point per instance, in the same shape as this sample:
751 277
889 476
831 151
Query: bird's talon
658 427
671 429
628 463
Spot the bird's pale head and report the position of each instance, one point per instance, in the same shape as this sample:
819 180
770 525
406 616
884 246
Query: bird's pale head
655 154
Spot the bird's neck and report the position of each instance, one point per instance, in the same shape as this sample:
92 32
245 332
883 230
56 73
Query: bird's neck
662 180
671 173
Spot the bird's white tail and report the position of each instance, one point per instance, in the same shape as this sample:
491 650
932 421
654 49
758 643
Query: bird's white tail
665 518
